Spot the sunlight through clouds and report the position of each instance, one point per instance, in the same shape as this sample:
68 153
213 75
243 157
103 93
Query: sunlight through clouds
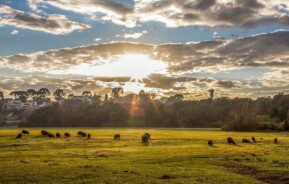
135 66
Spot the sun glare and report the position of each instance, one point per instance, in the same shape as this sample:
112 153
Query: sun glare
136 66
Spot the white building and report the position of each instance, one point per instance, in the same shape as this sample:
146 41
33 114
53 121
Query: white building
16 104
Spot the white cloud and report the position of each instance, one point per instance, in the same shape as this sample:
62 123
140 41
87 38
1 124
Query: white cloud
176 13
53 23
14 32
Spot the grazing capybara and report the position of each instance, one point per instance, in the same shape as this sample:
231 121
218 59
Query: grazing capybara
88 136
25 132
145 138
19 136
230 140
210 143
58 135
254 140
44 133
66 134
50 135
116 136
275 140
81 133
149 135
245 141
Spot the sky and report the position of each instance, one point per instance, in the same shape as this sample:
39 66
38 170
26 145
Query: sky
240 48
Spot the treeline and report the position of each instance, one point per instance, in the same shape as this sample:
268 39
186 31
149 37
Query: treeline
239 114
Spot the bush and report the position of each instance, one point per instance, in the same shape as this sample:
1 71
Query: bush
267 126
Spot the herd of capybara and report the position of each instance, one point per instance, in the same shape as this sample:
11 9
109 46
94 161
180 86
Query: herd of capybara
145 138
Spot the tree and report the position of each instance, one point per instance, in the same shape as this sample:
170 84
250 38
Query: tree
143 97
176 98
106 97
1 95
59 94
44 93
19 95
116 92
31 93
212 94
86 93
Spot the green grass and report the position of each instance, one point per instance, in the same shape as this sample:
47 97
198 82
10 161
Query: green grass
181 153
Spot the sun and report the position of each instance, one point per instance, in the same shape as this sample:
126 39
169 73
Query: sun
135 66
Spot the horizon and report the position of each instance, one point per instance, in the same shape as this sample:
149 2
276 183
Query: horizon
238 48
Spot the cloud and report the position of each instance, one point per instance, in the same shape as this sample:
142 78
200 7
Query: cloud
134 35
14 32
176 13
53 23
265 50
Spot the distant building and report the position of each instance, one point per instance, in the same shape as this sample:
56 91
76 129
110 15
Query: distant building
18 105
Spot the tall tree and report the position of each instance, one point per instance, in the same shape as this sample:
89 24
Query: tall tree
116 92
1 95
19 95
86 93
106 97
59 94
212 94
31 93
44 93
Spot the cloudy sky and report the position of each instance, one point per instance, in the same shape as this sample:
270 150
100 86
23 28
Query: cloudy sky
238 47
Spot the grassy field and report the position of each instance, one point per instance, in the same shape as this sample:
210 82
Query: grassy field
173 155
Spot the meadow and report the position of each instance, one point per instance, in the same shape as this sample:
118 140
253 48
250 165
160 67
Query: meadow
171 156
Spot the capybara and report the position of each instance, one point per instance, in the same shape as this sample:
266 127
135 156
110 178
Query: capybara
149 135
44 132
254 140
88 136
81 133
245 141
230 140
25 132
210 143
145 138
66 134
19 136
116 137
50 135
58 135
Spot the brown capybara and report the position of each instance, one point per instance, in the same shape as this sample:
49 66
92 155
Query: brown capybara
44 133
245 141
230 140
210 143
58 135
81 133
145 138
25 132
116 137
149 135
50 135
66 134
19 136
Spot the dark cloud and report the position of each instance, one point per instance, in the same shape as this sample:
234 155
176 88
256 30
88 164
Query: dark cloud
227 84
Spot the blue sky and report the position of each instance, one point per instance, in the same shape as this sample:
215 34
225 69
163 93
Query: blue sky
108 22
